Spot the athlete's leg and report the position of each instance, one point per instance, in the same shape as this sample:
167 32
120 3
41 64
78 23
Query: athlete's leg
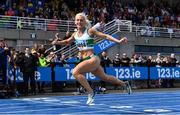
84 67
99 72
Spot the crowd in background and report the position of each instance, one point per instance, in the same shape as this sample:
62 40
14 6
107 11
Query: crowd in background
138 60
39 56
27 61
154 13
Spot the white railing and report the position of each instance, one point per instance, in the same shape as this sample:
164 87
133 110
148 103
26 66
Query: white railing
156 32
124 25
112 27
13 22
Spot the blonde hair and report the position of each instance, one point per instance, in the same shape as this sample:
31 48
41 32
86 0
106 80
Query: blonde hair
88 24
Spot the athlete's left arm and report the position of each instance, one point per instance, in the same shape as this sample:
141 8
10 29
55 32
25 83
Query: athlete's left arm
102 35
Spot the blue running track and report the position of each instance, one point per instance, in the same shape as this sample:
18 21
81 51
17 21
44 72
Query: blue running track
145 103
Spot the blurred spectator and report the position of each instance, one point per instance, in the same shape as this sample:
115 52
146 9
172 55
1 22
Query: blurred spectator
30 66
149 63
173 60
165 63
4 52
173 63
42 50
135 60
62 61
101 23
8 3
52 57
42 62
19 61
68 35
116 61
10 12
158 60
19 24
105 62
53 24
30 7
35 48
125 61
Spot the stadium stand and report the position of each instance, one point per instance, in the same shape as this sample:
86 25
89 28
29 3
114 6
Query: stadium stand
152 13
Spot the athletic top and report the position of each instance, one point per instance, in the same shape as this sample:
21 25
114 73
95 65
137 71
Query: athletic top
85 42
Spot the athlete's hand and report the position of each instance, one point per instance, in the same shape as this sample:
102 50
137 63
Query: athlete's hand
57 35
54 42
124 39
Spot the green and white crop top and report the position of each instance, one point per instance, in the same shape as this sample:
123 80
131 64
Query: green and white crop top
85 42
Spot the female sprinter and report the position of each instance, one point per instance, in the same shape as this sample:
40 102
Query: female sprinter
91 63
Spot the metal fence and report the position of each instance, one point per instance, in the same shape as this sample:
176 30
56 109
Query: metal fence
149 31
13 22
116 25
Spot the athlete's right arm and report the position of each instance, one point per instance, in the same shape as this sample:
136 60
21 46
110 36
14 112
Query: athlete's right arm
57 41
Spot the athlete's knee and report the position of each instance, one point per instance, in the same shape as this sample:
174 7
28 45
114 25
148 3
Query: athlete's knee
76 74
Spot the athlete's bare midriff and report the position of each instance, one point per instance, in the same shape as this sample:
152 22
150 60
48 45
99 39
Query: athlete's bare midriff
86 53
